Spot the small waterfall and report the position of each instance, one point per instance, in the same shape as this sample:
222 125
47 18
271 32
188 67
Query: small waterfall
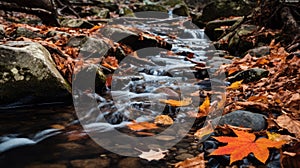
170 13
195 33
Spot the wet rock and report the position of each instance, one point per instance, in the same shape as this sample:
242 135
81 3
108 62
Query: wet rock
226 8
24 32
76 23
125 11
196 19
134 38
183 145
91 163
93 47
103 13
241 118
130 163
150 7
172 3
259 51
2 31
210 29
180 151
238 45
181 10
28 72
183 156
54 33
96 11
249 75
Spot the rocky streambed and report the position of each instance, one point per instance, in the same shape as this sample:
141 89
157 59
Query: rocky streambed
177 62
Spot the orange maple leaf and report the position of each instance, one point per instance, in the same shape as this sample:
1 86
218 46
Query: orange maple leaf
177 103
244 144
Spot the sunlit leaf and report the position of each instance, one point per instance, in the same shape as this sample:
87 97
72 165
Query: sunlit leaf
262 61
142 126
235 85
244 144
278 137
163 120
177 103
204 108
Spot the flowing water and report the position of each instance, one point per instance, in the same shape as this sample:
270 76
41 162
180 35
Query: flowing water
52 135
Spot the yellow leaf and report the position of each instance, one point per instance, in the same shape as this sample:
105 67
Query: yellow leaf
177 103
235 85
204 108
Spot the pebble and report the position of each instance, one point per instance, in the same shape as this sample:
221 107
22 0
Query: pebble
182 145
183 156
180 151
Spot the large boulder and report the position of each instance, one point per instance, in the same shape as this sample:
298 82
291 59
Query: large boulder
226 8
28 75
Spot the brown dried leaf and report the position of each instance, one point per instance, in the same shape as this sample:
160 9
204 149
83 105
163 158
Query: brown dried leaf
195 162
200 133
291 156
290 124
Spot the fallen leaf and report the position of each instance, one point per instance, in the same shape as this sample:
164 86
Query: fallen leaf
278 137
293 126
262 61
58 126
290 157
177 103
235 85
200 133
110 62
244 144
254 105
163 120
263 99
152 155
204 108
221 103
142 126
195 162
232 70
